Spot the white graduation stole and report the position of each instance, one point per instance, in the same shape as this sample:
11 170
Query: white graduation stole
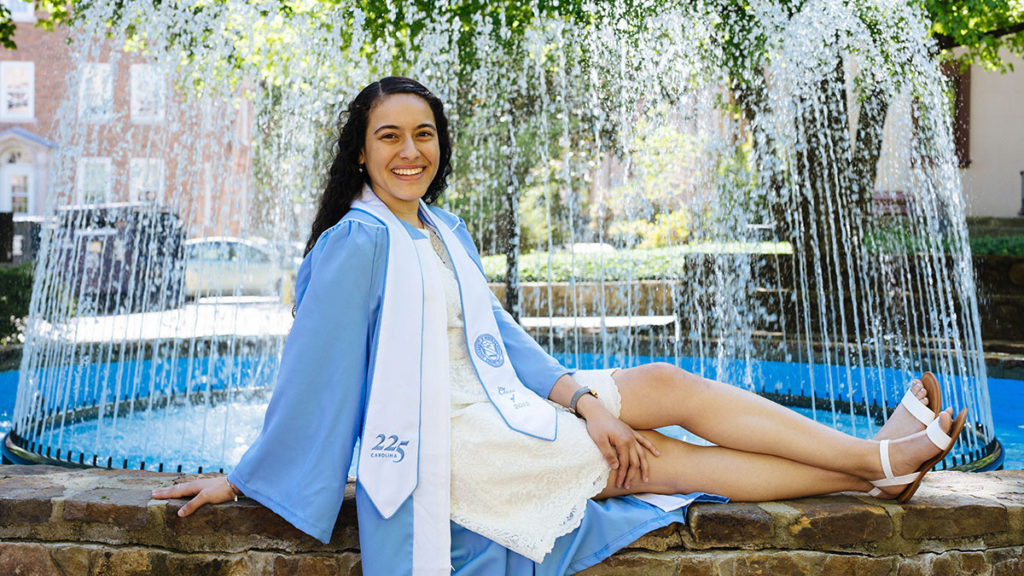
405 442
521 408
406 369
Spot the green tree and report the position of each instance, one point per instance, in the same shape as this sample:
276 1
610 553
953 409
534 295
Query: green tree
980 27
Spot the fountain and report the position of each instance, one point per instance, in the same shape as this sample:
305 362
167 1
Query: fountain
653 180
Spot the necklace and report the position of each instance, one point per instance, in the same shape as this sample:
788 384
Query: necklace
439 248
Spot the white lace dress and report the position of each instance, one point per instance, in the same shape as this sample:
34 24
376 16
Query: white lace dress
519 491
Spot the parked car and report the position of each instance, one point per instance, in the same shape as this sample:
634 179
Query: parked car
226 266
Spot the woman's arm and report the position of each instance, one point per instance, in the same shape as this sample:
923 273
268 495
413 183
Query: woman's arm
299 464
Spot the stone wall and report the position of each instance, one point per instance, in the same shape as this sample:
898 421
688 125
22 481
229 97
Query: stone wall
56 521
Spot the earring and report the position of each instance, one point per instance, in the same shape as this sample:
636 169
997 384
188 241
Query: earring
361 167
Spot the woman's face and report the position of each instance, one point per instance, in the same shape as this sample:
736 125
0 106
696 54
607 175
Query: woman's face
401 151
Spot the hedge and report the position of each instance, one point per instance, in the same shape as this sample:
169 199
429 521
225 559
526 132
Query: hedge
998 245
637 264
15 296
659 263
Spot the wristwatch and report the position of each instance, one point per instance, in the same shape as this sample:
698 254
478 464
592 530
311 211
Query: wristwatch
576 398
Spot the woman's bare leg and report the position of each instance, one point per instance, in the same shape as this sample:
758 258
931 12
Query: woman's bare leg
742 476
658 395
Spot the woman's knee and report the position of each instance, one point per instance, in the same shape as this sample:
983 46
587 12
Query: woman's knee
659 394
665 378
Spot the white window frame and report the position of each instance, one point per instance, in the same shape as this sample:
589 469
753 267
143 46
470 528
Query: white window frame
7 192
145 79
80 179
21 11
138 170
87 111
6 69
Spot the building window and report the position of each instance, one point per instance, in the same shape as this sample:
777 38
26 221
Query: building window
20 10
96 93
20 189
148 94
147 180
16 186
17 91
93 180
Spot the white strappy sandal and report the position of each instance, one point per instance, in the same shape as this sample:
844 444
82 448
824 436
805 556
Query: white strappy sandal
940 439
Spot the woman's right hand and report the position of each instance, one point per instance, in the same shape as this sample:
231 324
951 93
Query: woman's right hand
205 490
623 448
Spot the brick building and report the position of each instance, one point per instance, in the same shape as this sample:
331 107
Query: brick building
97 124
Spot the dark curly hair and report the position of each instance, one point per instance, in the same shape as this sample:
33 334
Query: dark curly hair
344 180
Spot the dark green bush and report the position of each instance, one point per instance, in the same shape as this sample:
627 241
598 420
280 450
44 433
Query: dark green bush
15 296
637 264
998 245
658 263
899 238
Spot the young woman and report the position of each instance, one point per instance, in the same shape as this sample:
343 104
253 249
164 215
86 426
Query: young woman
479 453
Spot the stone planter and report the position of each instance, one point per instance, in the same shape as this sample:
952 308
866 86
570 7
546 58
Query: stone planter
563 299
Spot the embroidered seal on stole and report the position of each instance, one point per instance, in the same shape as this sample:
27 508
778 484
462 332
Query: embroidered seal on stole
488 350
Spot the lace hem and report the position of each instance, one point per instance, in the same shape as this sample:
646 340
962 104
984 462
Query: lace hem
536 540
523 492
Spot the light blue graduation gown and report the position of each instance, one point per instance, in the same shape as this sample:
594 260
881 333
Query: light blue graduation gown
299 464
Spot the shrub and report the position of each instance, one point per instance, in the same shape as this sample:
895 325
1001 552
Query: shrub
15 297
668 229
998 245
637 264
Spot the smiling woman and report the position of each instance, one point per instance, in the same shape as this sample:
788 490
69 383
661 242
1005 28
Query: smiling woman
479 452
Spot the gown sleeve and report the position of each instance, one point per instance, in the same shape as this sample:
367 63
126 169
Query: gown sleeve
536 369
299 464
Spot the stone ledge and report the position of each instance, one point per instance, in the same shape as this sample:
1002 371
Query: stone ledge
62 521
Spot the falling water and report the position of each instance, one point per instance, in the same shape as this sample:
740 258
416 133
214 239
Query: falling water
648 180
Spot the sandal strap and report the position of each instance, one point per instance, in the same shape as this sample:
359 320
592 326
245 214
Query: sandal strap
917 409
890 479
896 480
937 436
883 455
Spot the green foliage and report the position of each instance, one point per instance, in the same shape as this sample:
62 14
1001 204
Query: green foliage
15 297
638 264
7 28
982 27
668 229
998 246
901 238
649 207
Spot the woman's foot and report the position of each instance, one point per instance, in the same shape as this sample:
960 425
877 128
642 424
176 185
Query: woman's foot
902 423
908 454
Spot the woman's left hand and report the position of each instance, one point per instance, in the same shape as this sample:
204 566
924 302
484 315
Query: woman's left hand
624 448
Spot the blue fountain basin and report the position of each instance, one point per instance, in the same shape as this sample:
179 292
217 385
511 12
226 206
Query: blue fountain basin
213 432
